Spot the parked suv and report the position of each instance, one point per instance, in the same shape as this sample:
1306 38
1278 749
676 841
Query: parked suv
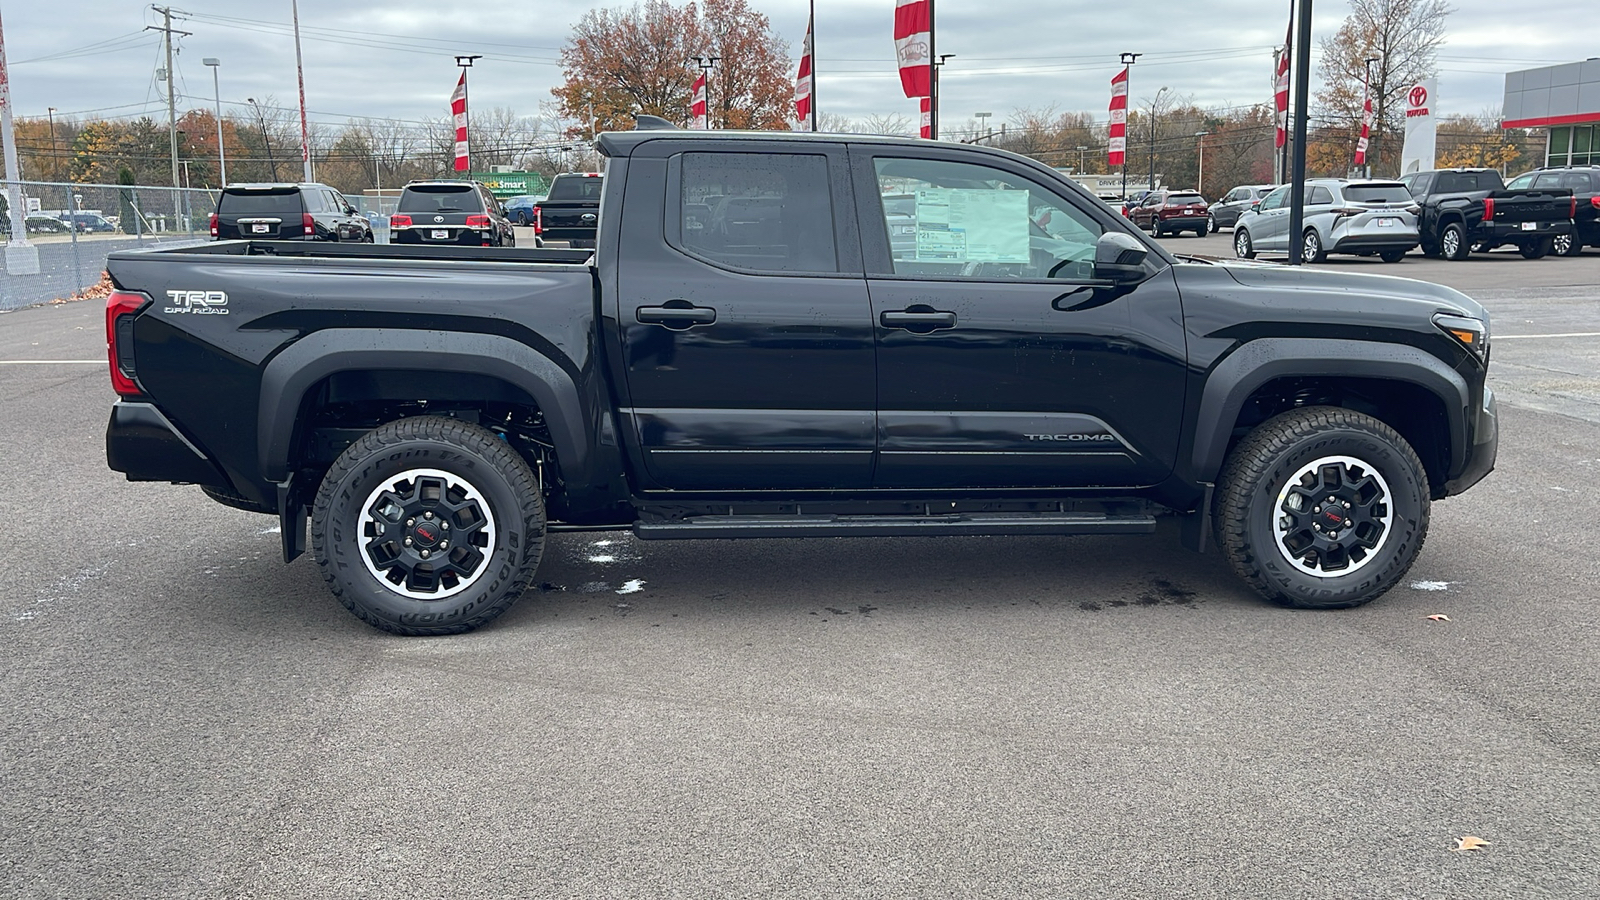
287 212
1172 212
450 212
1584 182
1225 213
1366 218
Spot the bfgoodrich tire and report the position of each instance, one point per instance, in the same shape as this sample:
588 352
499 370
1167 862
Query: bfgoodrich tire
428 526
1322 508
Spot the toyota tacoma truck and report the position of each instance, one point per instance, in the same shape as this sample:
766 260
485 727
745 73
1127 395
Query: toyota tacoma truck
1462 210
1026 364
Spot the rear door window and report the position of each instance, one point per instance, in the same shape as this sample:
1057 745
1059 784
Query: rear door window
440 198
762 212
281 202
1320 196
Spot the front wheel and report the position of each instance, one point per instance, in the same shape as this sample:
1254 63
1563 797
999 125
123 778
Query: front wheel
1537 249
1242 247
428 526
1322 508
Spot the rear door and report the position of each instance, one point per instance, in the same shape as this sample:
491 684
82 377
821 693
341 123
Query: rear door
1269 230
744 322
1001 362
266 213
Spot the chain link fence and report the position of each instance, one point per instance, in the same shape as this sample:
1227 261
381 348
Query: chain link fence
73 226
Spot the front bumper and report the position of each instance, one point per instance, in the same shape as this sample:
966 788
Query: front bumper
1485 446
143 444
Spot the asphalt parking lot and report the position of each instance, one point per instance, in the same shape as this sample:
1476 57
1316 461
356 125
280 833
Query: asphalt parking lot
181 715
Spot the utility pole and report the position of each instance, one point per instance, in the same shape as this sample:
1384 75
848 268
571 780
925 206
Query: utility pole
266 139
167 31
1154 105
22 258
54 163
300 74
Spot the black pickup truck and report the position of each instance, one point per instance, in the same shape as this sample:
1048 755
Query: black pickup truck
1462 210
570 213
1027 364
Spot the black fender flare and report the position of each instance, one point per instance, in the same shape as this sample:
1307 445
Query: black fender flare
1232 381
301 365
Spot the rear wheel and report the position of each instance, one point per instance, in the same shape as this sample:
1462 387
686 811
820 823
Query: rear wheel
1392 256
522 217
1211 225
428 526
1537 249
1242 247
1453 243
1311 247
1322 508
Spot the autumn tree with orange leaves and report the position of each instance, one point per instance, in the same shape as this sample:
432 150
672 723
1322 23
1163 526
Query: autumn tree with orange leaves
623 62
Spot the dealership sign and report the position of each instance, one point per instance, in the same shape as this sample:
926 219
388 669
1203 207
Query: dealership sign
1418 154
512 184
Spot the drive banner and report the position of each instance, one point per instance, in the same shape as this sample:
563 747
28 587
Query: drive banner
927 117
1366 128
802 84
458 111
1280 86
1119 119
1417 155
913 33
697 109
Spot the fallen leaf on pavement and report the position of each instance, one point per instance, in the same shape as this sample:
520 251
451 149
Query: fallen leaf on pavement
1469 843
1439 617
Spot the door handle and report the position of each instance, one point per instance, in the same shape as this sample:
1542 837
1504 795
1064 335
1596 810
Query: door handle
676 314
918 318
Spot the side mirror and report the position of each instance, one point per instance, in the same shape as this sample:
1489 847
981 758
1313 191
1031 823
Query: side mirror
1119 258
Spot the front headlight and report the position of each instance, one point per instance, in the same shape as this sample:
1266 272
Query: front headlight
1470 333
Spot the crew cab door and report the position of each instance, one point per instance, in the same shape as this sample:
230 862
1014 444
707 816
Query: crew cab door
1002 363
745 328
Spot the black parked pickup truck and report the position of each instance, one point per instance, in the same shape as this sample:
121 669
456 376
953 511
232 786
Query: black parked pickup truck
570 213
1461 210
1029 364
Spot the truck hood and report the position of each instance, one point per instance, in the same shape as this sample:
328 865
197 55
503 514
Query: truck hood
1313 293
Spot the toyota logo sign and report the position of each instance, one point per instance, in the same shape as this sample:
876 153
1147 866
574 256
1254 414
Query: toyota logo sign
1418 96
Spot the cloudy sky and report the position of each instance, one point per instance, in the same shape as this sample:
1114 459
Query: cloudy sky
394 59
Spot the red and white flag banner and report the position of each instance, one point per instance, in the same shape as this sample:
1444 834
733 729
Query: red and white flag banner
802 84
1119 119
913 35
697 109
927 118
1366 127
1281 87
458 111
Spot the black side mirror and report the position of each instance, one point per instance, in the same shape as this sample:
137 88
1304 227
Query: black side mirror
1119 258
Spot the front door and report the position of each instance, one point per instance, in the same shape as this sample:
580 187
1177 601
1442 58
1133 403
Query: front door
1269 230
1002 363
745 327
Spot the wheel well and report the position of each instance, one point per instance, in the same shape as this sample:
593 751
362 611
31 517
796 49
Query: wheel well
339 409
1415 412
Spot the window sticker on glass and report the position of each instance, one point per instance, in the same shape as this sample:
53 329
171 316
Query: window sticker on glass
960 225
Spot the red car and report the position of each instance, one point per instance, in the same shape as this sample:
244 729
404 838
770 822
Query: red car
1173 212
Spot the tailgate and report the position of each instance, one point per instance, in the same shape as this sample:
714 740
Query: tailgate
584 216
1532 205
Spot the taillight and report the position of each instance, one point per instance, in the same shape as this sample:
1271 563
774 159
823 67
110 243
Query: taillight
309 223
1488 209
477 221
399 221
538 220
121 308
213 224
1593 201
1346 211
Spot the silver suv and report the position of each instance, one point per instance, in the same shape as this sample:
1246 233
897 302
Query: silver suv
1366 218
1225 213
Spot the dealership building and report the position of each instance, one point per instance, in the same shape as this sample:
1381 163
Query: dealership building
1564 99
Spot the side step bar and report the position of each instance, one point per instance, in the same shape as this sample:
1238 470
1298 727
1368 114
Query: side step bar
705 527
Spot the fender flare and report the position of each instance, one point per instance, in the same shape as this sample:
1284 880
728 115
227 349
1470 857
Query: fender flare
293 372
1232 381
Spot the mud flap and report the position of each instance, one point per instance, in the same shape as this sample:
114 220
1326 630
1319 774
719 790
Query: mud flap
292 518
1195 527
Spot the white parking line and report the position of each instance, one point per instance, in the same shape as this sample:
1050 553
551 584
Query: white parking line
1536 337
52 362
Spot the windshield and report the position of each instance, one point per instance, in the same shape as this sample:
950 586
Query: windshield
277 202
440 198
575 187
1377 193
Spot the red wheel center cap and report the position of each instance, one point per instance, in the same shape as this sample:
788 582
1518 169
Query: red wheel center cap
427 533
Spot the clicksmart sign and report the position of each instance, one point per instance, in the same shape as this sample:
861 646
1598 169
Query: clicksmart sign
512 184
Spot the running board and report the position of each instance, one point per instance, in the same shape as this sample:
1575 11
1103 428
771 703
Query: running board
957 524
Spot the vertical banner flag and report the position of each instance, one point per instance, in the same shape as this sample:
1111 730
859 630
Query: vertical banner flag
912 34
927 118
1280 86
1119 119
458 111
802 83
1418 153
697 110
1366 126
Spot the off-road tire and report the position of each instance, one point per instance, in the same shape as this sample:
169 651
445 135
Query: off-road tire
475 457
1257 475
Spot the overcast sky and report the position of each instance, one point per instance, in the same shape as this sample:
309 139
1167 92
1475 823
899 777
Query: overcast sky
394 59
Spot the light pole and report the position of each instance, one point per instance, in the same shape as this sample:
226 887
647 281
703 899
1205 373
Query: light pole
1200 178
983 124
465 62
1081 149
1128 59
1154 107
216 87
933 102
706 64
